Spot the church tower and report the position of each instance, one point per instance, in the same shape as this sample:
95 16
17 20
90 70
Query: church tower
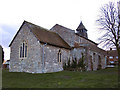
81 30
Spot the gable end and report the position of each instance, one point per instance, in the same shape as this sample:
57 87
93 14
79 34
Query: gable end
16 34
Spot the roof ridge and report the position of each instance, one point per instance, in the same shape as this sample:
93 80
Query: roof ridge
62 26
35 25
45 29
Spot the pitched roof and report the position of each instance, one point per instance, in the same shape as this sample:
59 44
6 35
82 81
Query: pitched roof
70 31
60 27
46 36
88 39
81 26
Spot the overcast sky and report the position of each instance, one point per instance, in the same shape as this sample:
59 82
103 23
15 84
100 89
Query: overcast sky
47 13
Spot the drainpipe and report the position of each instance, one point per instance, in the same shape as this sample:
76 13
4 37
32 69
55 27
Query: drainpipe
43 58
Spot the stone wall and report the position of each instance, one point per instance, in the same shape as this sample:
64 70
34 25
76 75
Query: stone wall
65 33
94 60
89 47
41 58
77 53
30 64
70 36
51 63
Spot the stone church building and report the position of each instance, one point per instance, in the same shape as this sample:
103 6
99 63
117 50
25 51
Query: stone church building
37 50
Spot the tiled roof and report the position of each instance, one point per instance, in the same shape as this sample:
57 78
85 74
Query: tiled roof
46 36
58 27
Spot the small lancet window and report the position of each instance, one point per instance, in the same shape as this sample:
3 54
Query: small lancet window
59 56
20 51
23 50
26 51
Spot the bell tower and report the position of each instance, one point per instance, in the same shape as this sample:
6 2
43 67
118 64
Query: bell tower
81 30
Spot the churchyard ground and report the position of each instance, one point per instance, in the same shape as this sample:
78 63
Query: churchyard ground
106 78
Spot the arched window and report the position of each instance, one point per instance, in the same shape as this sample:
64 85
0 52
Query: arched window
23 50
59 56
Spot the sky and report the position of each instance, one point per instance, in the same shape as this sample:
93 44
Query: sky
47 13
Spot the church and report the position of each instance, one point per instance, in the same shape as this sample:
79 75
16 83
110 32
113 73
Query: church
35 49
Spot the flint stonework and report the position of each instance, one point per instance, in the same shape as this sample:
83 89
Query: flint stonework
44 46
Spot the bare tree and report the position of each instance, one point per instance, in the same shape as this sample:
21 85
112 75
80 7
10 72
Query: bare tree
109 23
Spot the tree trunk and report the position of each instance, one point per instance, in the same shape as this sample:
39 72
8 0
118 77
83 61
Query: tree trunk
119 58
118 51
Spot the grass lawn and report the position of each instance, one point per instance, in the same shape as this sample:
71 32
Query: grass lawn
107 78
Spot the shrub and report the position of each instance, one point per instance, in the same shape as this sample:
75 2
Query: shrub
74 63
68 64
81 62
64 66
99 67
74 66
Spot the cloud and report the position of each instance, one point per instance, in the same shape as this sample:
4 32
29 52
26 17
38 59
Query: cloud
7 32
46 13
